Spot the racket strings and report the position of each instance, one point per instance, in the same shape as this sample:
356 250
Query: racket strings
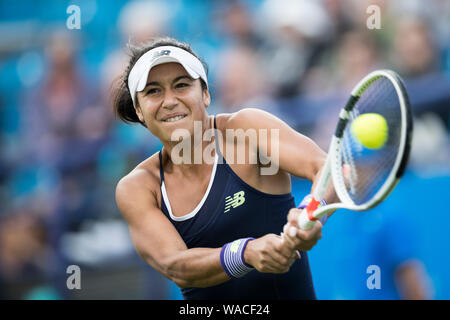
351 173
369 168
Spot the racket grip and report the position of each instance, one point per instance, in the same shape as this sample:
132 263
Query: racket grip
304 222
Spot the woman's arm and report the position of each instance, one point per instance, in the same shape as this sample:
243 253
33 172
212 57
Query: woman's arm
160 245
157 241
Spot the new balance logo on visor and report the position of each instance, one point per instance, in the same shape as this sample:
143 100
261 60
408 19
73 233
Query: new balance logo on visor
161 53
235 201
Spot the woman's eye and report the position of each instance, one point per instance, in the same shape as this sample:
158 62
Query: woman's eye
151 91
181 85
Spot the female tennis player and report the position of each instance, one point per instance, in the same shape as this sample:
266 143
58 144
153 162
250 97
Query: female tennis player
213 227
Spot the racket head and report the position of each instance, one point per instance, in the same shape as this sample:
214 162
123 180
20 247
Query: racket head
363 177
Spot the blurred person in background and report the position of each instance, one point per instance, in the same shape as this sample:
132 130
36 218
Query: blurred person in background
436 14
26 257
243 80
62 114
341 15
50 111
293 35
356 54
64 128
417 56
415 51
233 20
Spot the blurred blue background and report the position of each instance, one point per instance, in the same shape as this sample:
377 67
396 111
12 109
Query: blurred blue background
62 151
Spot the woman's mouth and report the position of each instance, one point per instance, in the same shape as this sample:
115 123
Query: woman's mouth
175 118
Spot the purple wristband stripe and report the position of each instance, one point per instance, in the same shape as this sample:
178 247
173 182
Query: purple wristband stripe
306 200
232 258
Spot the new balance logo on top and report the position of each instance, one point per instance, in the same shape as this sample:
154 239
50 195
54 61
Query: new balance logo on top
235 201
161 53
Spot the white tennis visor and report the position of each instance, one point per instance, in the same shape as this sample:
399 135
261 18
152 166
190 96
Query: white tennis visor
137 78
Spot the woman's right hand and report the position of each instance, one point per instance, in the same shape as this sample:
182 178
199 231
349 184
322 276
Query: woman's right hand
270 254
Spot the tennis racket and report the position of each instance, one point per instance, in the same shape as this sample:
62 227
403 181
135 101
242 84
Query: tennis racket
363 177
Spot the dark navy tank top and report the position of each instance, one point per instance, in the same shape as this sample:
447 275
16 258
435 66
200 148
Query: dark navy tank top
232 209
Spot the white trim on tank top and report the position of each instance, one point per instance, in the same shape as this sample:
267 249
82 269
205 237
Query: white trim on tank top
200 205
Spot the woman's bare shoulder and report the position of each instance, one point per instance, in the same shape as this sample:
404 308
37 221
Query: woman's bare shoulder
144 177
242 119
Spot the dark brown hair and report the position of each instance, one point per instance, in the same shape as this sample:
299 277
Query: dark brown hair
122 102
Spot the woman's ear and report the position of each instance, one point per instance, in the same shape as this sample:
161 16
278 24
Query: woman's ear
206 98
139 113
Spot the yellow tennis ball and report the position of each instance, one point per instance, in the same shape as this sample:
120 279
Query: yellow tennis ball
371 130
